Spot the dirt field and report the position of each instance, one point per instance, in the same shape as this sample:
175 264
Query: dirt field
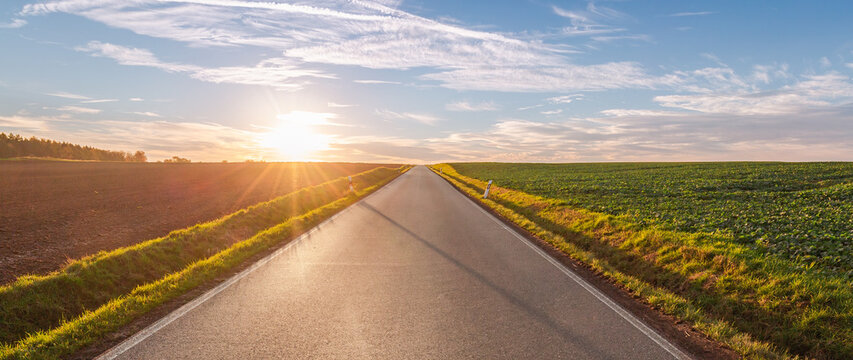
54 211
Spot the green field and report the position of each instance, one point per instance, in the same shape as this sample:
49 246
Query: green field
801 211
699 242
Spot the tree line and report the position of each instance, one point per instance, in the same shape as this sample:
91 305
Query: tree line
12 145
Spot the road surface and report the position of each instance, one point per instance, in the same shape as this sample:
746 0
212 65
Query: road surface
415 271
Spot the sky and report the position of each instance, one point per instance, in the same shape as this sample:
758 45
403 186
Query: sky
433 81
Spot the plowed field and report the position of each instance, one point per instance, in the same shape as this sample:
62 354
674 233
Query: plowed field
54 211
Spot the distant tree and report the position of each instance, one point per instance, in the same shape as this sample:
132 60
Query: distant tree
12 145
139 156
176 160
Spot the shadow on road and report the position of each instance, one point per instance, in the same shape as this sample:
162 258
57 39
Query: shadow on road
590 349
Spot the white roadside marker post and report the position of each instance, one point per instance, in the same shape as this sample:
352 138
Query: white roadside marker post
486 194
351 188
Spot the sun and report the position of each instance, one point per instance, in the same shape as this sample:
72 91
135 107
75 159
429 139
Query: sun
295 137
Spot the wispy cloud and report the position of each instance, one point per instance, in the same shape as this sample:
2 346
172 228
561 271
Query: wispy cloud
79 110
14 24
336 105
276 72
159 139
147 113
468 106
421 118
67 95
617 75
136 99
695 13
97 101
592 20
628 135
377 82
609 38
365 34
24 122
551 112
742 99
523 108
565 99
386 82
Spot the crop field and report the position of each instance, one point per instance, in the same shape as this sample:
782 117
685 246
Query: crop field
54 211
754 255
801 211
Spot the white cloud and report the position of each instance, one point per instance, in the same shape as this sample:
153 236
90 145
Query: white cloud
14 24
551 112
467 106
421 118
364 34
766 73
377 82
824 62
162 139
132 56
79 110
609 38
147 113
66 95
336 105
523 108
24 122
97 101
136 99
565 99
564 78
656 136
695 13
639 113
813 91
276 72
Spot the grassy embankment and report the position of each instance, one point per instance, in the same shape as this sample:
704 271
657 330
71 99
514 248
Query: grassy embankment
760 305
54 315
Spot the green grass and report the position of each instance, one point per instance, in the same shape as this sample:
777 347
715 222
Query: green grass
45 316
759 304
797 210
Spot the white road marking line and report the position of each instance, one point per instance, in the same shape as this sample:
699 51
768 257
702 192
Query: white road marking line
137 338
637 323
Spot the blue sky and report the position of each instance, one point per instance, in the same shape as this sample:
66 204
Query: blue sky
430 81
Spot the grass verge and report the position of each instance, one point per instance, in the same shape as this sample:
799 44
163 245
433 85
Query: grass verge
762 306
56 314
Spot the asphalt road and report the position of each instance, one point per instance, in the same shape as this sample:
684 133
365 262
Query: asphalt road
414 271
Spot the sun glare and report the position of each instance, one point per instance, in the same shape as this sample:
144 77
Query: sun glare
295 137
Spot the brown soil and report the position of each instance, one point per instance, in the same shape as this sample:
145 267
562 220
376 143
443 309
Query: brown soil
51 212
